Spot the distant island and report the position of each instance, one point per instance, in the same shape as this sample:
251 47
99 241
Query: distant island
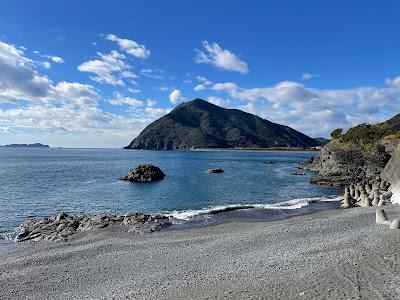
199 124
35 145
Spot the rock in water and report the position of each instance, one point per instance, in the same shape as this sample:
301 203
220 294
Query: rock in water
215 171
144 173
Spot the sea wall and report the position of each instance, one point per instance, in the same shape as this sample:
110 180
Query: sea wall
391 173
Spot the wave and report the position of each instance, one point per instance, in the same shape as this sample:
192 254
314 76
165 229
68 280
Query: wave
186 215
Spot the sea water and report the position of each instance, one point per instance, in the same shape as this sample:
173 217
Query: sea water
38 183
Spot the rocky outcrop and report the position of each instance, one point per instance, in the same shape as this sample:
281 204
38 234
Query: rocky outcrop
361 153
144 173
339 165
215 171
61 226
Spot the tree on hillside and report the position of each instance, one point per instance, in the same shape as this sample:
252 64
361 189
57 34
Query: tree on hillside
336 133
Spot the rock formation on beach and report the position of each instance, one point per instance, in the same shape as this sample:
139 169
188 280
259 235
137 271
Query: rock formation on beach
199 124
361 153
59 227
144 173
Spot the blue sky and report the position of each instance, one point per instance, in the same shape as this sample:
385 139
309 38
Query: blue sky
95 73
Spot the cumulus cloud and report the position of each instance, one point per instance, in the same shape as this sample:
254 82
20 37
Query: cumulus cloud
108 69
57 59
199 87
218 100
122 100
317 111
129 46
63 113
227 86
18 79
151 102
45 64
176 96
221 58
307 76
203 80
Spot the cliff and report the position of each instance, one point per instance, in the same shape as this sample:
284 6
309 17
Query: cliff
362 152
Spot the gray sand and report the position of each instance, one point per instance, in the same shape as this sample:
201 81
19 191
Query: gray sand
335 254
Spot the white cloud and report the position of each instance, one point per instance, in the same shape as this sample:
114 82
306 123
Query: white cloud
122 100
57 59
317 112
63 113
107 68
307 76
203 80
45 64
78 93
199 87
217 100
156 113
152 73
129 46
151 102
176 96
18 79
227 86
129 74
133 90
221 58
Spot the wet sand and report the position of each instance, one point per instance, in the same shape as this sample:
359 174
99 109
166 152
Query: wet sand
331 254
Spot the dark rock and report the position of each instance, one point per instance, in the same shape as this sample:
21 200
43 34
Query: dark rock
61 226
297 173
215 171
144 173
269 162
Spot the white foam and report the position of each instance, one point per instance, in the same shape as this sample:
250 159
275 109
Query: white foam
291 204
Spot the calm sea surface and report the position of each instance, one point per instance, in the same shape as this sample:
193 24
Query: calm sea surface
41 182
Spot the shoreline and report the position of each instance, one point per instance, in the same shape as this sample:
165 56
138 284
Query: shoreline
61 226
328 254
273 149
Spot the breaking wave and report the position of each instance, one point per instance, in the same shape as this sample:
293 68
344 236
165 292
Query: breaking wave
291 204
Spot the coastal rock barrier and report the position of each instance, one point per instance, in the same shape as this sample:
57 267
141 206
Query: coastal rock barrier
367 193
61 226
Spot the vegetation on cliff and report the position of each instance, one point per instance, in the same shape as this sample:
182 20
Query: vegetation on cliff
361 152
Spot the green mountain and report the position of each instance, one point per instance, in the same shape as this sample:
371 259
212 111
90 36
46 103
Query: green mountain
200 124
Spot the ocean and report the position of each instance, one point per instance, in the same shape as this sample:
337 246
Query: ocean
38 183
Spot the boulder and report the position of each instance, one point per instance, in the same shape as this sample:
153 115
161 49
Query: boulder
144 173
215 171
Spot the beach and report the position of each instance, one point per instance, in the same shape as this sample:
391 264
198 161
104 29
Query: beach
330 254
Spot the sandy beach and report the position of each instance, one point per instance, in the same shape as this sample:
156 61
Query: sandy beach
331 254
